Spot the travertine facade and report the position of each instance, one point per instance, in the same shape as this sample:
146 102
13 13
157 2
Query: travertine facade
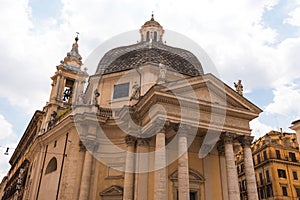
150 125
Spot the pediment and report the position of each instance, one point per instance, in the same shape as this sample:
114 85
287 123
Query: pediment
114 190
194 176
208 89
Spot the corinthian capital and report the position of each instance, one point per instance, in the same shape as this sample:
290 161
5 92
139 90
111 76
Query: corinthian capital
246 140
88 144
228 137
130 140
161 124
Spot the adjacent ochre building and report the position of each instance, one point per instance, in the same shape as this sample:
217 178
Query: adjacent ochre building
150 124
277 168
296 127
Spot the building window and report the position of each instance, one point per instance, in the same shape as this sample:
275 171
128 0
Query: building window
121 90
281 173
269 191
265 155
262 193
258 159
193 195
278 156
148 36
292 156
268 176
295 175
155 36
52 166
243 185
261 179
284 191
297 191
55 143
242 168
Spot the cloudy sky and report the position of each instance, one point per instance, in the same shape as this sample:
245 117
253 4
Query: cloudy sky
253 40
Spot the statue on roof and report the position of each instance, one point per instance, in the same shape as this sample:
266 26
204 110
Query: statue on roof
239 87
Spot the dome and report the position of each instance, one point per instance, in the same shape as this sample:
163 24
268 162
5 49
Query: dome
150 50
151 22
133 56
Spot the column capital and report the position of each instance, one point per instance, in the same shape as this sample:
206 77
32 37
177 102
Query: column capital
130 140
221 149
182 129
228 137
245 140
88 144
142 142
161 125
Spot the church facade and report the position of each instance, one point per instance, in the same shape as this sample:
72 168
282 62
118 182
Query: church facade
150 124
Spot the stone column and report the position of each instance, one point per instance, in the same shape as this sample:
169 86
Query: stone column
56 94
87 169
183 165
160 174
249 168
232 177
142 168
129 168
223 174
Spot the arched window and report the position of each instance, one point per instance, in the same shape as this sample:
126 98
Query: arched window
148 36
52 166
155 36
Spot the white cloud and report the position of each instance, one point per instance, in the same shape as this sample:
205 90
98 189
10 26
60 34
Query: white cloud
259 129
4 159
230 31
5 128
7 139
286 100
294 17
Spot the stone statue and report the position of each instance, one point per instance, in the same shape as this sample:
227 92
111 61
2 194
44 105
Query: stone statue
96 95
52 119
239 87
136 89
81 98
162 73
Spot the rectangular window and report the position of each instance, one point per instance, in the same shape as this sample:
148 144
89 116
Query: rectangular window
281 173
284 191
278 156
295 175
298 191
242 167
261 179
268 176
262 193
258 159
292 156
269 191
193 195
244 185
121 90
265 155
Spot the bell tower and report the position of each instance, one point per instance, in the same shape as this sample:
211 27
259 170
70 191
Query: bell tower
67 83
